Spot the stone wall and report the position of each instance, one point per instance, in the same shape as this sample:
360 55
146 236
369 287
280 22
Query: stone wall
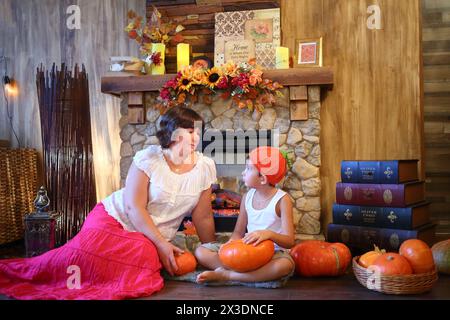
302 138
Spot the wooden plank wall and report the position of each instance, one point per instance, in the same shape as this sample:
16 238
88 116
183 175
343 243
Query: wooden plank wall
34 32
374 110
436 55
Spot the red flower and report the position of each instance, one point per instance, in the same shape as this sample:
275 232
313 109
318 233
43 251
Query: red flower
165 94
223 84
156 58
242 80
172 83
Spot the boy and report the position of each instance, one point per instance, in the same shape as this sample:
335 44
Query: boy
266 213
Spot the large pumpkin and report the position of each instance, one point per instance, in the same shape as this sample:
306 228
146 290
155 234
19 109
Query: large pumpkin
315 258
441 255
241 257
418 254
390 264
186 263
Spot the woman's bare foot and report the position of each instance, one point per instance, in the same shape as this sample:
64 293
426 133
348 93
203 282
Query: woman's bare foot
219 274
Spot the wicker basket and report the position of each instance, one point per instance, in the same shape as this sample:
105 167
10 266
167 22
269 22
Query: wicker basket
406 284
18 187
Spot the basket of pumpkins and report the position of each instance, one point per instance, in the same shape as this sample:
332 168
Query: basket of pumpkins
410 271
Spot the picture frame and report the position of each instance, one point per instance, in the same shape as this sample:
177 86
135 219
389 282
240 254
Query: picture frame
308 53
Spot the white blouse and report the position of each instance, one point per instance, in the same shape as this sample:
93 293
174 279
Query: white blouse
172 196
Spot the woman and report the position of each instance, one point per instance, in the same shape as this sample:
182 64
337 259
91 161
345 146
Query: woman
123 242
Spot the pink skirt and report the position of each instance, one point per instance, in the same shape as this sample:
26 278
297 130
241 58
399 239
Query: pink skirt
102 262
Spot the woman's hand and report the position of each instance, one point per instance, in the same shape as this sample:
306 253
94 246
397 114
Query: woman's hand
257 237
166 253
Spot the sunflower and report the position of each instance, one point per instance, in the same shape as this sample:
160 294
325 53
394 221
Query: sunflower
185 82
213 77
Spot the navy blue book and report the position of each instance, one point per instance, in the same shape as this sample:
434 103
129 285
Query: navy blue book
364 238
382 217
382 172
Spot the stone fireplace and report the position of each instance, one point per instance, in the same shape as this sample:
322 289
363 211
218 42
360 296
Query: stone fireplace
301 138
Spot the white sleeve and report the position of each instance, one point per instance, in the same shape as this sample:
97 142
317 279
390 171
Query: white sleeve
145 159
209 173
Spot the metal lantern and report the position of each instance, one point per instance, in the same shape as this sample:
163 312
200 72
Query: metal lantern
40 226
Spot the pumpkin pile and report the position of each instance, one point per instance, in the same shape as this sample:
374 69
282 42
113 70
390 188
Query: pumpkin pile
414 257
314 258
241 257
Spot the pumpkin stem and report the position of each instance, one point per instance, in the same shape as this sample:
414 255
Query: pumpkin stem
378 249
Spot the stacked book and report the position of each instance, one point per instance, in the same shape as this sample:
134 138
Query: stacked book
380 203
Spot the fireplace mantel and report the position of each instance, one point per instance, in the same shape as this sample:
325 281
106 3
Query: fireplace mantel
321 76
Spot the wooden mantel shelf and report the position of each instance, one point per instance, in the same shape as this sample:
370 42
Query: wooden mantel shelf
322 76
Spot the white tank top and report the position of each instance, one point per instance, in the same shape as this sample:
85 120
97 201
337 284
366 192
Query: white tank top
264 219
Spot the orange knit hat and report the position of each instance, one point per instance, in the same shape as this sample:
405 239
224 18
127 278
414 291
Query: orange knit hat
270 162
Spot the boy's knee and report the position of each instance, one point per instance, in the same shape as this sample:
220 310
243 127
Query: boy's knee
200 252
285 266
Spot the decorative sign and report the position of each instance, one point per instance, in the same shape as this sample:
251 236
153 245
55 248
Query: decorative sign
261 27
239 51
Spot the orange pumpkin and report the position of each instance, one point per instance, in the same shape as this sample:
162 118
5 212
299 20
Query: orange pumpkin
315 258
186 263
241 257
368 258
390 264
418 254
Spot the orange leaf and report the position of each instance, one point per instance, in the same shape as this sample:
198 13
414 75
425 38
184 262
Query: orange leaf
189 228
131 14
181 98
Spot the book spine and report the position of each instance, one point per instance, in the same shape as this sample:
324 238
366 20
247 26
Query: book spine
379 172
380 217
365 237
366 194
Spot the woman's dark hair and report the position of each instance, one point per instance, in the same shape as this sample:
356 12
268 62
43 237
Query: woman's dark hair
176 117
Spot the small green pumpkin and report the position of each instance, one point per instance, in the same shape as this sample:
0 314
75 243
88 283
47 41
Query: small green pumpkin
441 256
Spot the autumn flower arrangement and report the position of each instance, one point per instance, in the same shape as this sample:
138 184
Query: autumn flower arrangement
155 30
243 82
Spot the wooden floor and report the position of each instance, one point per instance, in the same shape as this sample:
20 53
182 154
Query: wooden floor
342 288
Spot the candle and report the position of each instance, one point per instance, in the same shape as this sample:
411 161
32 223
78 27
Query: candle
161 68
282 58
183 53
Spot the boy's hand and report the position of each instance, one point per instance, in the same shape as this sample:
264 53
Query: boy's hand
257 237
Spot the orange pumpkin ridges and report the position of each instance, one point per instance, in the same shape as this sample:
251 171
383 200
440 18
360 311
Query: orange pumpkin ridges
241 257
418 254
319 258
186 263
390 264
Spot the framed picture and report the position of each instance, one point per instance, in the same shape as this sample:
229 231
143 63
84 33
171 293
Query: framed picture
308 52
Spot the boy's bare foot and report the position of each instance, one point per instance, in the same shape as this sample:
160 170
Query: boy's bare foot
219 274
